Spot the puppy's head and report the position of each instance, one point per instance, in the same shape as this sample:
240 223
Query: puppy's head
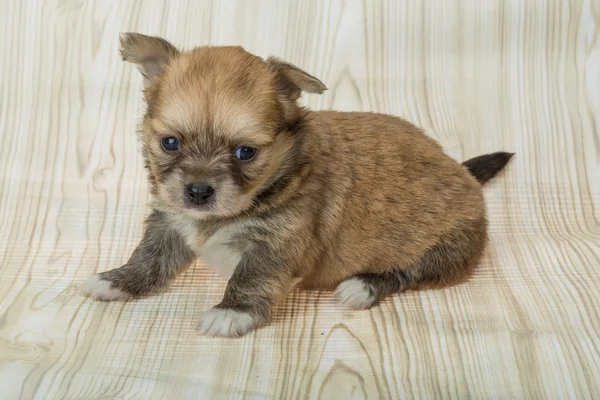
218 125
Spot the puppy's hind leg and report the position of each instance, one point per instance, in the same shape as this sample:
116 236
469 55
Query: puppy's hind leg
365 290
449 262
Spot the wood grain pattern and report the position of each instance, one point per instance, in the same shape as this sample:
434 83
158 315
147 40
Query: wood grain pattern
478 75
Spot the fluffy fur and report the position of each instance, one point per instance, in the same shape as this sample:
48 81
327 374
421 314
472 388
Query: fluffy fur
362 201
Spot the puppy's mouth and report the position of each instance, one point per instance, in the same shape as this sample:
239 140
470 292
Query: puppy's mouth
198 207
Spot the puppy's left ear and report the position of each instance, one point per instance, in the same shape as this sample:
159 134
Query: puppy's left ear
292 81
149 53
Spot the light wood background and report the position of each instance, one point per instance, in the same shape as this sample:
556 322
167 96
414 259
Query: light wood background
478 75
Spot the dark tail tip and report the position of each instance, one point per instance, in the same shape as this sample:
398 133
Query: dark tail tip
485 167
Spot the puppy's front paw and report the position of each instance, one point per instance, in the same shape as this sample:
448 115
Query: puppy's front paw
227 322
100 289
354 293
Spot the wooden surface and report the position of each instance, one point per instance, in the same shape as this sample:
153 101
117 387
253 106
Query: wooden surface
478 75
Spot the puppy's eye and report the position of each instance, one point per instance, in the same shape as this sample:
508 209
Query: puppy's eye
170 144
244 153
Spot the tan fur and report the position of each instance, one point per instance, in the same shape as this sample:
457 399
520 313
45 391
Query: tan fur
362 199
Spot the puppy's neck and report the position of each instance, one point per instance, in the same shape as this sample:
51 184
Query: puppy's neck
286 181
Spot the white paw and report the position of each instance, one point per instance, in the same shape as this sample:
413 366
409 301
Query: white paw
355 294
99 289
226 322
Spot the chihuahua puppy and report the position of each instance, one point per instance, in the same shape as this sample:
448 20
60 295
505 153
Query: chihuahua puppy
273 195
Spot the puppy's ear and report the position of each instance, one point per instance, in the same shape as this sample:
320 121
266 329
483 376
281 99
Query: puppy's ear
291 80
149 53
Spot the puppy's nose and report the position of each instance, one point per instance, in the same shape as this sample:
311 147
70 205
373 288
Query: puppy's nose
199 193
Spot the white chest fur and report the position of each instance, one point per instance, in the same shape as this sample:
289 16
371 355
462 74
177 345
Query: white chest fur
216 251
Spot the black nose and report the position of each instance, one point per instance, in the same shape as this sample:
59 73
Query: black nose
199 193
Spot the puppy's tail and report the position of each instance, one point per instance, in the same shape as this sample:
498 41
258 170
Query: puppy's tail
485 167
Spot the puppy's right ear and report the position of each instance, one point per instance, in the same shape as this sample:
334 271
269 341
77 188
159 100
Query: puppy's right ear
149 53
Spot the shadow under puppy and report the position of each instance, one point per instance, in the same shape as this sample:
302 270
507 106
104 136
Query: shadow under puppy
273 195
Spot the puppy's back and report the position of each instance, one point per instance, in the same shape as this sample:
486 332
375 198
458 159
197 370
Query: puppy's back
387 155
